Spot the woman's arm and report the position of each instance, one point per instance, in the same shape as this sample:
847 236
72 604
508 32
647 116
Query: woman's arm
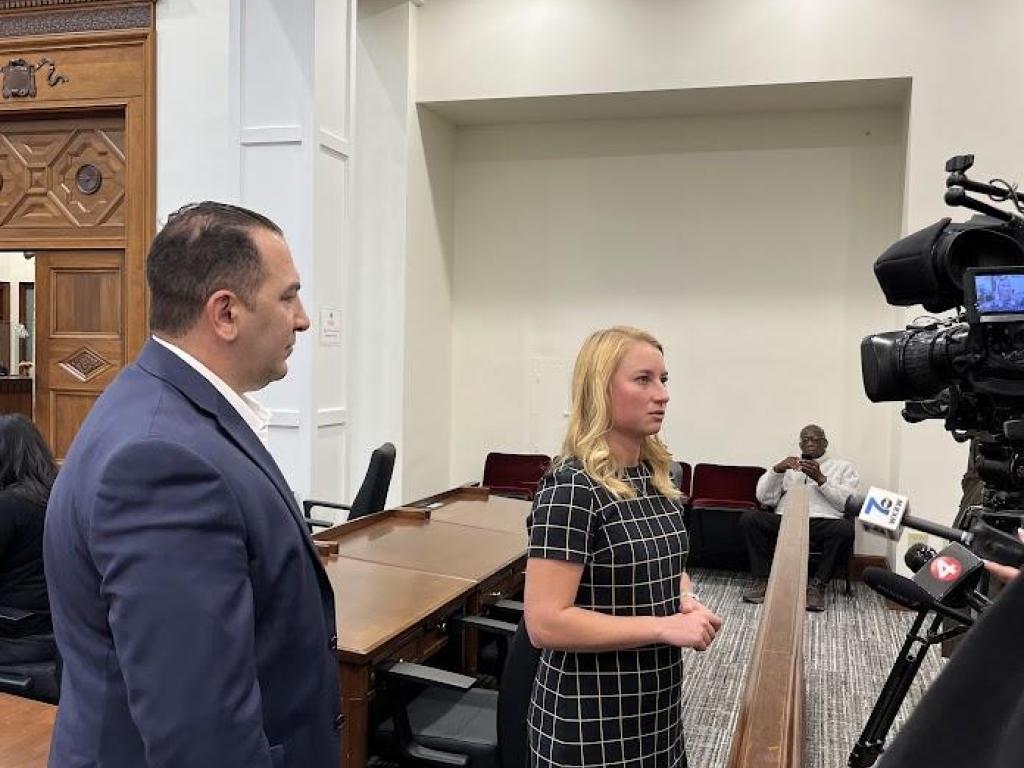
555 622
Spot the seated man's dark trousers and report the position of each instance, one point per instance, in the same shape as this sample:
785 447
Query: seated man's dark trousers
831 536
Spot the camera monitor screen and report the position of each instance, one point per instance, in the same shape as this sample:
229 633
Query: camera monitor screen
998 295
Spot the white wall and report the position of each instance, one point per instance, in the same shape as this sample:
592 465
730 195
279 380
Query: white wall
427 425
743 242
254 105
193 108
376 289
473 49
333 143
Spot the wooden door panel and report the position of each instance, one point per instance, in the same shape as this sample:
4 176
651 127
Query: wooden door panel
59 176
81 342
82 365
68 411
87 301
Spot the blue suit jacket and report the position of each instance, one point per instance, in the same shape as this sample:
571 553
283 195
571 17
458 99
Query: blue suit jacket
195 620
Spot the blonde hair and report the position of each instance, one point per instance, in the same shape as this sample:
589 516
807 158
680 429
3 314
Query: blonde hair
590 417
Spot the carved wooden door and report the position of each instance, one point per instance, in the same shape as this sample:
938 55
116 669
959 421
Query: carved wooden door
63 181
80 337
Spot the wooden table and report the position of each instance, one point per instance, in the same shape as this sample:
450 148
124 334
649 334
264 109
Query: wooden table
25 728
476 508
399 575
430 546
384 613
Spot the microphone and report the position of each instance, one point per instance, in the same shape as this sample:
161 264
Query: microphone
920 554
897 588
905 592
951 574
887 512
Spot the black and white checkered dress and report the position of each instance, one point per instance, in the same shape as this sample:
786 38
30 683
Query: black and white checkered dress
613 708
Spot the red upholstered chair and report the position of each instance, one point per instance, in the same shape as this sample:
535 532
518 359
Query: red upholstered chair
721 494
514 474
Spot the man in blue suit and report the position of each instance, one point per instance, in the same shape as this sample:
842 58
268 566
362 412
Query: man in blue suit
195 620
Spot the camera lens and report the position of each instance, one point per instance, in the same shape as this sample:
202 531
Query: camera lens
911 364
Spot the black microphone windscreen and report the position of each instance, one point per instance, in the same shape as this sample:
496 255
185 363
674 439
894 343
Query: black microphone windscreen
897 588
918 555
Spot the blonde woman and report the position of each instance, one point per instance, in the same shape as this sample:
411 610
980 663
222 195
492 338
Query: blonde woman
607 594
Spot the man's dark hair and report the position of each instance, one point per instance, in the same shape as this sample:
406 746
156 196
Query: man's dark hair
26 464
204 248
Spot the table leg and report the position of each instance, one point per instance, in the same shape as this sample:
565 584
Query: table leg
355 704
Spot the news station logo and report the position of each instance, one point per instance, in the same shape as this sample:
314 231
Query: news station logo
945 568
883 511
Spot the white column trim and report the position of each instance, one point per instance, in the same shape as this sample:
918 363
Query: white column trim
271 134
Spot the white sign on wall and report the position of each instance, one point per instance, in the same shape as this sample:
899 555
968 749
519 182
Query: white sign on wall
330 327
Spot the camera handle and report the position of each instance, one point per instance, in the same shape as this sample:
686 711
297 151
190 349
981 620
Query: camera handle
958 185
871 743
957 195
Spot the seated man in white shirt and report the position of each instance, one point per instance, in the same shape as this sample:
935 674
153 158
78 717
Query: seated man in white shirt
830 482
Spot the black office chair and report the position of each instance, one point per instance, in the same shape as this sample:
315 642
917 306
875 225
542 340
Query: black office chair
36 679
453 723
373 493
493 652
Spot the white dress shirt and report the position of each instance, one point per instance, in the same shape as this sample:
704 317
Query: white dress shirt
253 413
826 500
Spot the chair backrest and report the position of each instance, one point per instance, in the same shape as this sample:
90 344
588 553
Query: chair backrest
373 493
514 699
726 482
33 665
515 470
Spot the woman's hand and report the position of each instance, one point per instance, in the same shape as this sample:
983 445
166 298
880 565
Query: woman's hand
689 603
695 629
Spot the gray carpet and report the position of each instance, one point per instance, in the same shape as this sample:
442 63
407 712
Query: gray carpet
848 652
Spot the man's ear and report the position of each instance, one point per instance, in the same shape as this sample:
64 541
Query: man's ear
221 314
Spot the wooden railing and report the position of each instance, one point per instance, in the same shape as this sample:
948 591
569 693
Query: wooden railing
769 732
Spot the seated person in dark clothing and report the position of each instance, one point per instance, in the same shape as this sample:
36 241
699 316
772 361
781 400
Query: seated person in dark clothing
27 471
830 482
